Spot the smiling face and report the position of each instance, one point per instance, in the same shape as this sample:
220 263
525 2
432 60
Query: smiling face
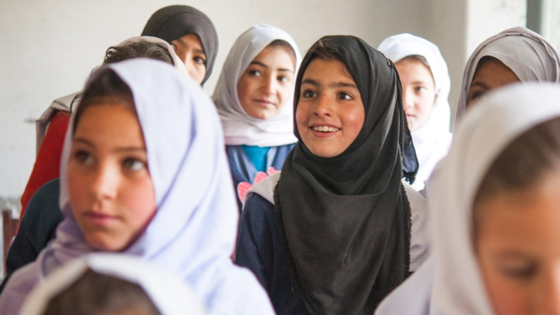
518 248
419 92
330 112
189 49
266 85
111 191
491 74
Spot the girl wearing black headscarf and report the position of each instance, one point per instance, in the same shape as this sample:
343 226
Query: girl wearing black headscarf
338 229
191 33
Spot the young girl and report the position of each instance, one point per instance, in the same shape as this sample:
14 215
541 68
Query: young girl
111 284
336 230
516 54
52 126
496 225
425 83
144 173
253 97
192 35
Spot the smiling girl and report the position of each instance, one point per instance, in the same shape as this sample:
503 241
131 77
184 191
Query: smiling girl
425 82
497 231
142 133
337 230
254 96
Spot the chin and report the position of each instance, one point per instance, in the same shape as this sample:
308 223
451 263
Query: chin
106 244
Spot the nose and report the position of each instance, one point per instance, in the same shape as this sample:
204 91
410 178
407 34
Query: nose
408 100
324 106
104 182
549 301
269 85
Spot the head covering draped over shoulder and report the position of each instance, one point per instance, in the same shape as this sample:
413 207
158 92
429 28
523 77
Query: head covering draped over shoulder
170 295
353 202
451 282
526 53
175 21
239 127
432 139
193 231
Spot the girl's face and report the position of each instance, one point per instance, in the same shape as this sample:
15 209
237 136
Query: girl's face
491 75
518 249
419 92
189 49
330 112
111 191
266 85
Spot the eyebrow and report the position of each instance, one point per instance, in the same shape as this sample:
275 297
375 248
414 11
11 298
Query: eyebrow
331 85
119 149
265 66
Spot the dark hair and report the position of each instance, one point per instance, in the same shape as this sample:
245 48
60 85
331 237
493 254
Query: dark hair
418 58
136 50
279 43
95 293
105 88
524 163
325 52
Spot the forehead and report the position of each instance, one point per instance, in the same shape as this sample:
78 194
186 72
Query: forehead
495 71
321 69
408 68
277 55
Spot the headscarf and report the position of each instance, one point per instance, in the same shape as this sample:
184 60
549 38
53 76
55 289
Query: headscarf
526 53
432 139
451 282
345 221
239 127
66 103
175 21
170 295
193 231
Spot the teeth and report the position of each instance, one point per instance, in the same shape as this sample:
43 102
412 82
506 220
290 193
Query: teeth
325 129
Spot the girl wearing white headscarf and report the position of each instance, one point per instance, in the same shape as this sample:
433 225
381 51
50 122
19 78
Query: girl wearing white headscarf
98 281
191 232
257 144
57 116
432 138
456 280
527 54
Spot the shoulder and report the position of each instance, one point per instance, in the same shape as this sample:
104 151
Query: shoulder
420 234
265 188
18 288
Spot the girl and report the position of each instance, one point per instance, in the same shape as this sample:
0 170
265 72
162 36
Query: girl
496 226
516 54
425 82
192 35
52 125
144 173
336 230
252 97
112 284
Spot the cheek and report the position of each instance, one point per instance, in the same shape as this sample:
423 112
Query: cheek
77 185
353 122
243 89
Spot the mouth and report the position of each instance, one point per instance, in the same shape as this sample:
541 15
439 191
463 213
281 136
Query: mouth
324 131
100 218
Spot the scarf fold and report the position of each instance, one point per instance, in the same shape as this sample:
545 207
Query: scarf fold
345 221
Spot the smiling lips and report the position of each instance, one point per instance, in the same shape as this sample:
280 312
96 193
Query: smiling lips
324 131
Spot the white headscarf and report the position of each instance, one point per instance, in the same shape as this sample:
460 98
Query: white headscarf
432 138
451 282
525 52
194 229
169 294
239 127
65 103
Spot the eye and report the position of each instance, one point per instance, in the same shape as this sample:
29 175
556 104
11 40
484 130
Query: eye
520 272
283 78
419 89
133 164
254 73
344 96
199 60
478 96
83 157
308 94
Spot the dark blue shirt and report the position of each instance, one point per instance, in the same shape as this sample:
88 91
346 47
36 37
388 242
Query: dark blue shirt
259 248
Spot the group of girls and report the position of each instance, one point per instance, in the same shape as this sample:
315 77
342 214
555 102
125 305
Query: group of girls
300 188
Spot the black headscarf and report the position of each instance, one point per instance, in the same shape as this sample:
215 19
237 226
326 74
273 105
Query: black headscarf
346 221
175 21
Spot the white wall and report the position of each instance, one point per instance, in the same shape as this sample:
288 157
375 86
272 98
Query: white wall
48 47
